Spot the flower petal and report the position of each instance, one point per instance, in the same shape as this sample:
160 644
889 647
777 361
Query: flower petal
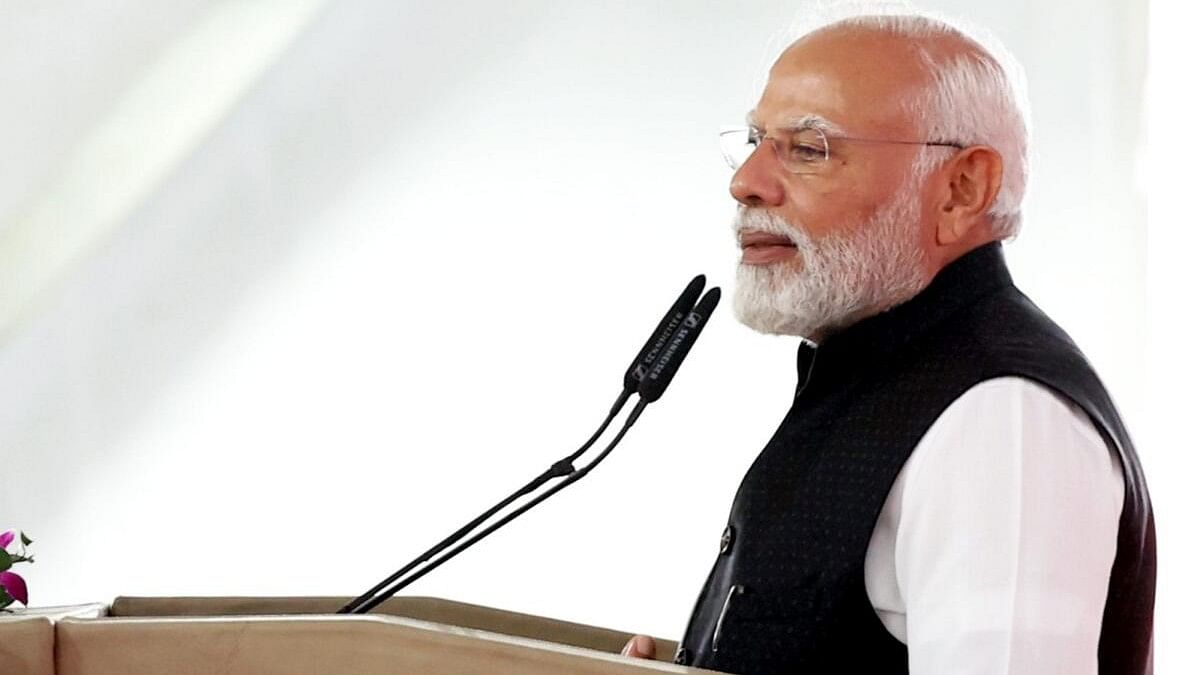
14 585
6 538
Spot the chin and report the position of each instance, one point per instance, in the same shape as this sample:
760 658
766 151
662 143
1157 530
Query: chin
768 299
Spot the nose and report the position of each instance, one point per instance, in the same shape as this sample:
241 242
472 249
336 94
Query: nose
758 181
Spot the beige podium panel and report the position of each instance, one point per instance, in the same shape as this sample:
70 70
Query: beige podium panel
318 645
26 645
434 610
27 636
302 636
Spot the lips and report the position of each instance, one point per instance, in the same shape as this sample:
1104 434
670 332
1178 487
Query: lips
761 248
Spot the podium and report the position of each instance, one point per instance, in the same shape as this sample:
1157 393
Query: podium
303 636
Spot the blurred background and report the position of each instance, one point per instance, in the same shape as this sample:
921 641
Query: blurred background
289 289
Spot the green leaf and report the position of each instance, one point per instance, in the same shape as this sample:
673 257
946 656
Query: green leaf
5 599
25 541
6 560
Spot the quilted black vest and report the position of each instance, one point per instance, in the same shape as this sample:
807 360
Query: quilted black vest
787 592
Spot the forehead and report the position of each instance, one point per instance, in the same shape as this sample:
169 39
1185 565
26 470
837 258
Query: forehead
856 79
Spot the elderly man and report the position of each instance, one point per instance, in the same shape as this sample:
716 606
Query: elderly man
952 490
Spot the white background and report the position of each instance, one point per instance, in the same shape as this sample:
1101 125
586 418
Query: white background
289 290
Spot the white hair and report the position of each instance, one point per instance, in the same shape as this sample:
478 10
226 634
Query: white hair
974 98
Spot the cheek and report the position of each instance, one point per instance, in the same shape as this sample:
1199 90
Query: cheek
823 209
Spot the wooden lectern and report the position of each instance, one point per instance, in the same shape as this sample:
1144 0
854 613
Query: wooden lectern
303 636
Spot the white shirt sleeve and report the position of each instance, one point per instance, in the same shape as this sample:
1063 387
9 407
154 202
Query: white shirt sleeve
993 550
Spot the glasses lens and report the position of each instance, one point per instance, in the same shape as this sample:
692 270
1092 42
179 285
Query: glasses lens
736 145
799 151
803 150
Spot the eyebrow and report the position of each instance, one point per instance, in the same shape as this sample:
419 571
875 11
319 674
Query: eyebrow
809 121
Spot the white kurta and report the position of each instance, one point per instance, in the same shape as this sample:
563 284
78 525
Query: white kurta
993 550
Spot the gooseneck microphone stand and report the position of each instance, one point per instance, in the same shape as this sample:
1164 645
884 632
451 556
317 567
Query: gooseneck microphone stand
648 376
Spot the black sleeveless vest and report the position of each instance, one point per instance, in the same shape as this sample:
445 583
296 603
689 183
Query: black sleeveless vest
787 592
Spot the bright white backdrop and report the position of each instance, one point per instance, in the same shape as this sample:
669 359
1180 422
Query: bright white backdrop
288 290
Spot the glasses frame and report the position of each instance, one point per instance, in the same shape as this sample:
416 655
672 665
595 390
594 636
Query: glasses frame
756 138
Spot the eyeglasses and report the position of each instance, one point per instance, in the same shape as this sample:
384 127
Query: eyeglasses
803 151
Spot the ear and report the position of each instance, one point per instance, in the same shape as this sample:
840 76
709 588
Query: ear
968 186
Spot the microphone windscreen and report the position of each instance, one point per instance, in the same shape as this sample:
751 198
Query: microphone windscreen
659 376
662 334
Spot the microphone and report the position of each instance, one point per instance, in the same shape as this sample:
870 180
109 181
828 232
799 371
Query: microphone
662 334
655 381
648 375
644 361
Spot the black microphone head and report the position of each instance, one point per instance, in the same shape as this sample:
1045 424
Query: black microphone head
659 375
662 334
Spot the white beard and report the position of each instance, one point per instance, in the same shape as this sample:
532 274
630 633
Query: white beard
833 281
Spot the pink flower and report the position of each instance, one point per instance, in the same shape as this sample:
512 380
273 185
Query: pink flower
14 585
6 538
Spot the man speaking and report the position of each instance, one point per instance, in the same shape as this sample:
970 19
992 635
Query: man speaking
952 490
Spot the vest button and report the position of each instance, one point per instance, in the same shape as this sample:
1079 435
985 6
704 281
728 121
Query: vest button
727 540
682 656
